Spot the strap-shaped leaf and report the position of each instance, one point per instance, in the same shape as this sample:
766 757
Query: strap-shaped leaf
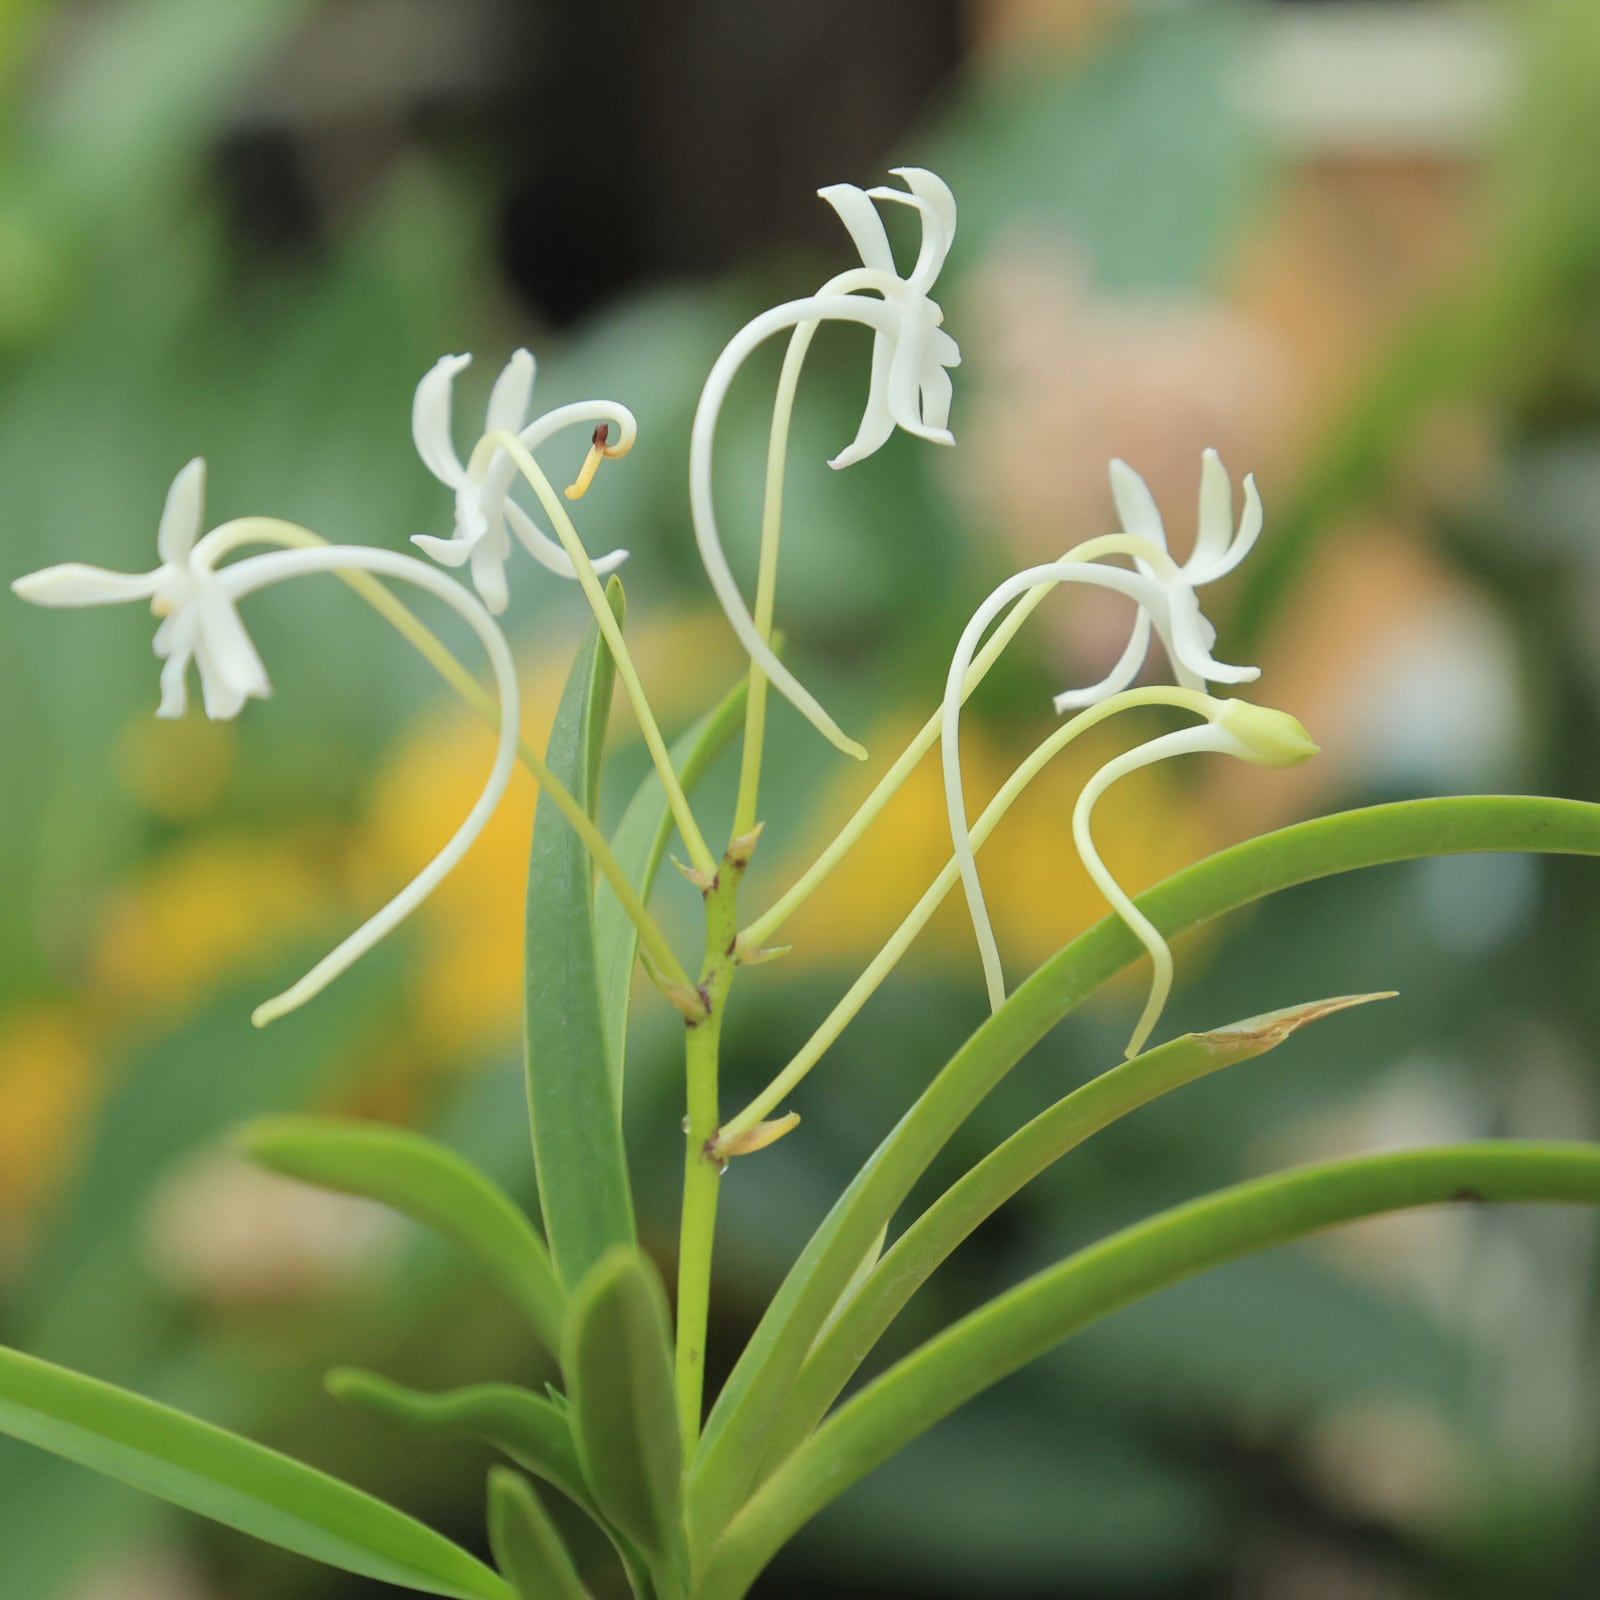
533 1431
1024 1323
863 1317
640 846
526 1544
618 1365
577 1133
429 1183
742 1420
231 1480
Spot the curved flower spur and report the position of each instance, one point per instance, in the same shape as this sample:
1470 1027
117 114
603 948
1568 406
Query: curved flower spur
1163 593
486 515
909 386
197 601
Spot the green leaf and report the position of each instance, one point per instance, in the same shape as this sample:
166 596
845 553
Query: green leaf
231 1480
428 1182
734 1442
640 845
534 1432
526 1544
857 1325
577 1132
618 1365
1024 1323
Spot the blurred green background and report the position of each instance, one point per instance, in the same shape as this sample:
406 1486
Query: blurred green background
1354 246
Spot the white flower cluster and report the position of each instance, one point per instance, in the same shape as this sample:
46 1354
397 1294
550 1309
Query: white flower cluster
197 598
909 388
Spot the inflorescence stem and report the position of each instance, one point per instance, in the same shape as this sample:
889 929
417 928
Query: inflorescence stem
688 828
902 938
755 713
761 931
243 531
702 1169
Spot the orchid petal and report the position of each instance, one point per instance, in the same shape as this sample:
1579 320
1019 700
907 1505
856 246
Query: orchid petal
430 420
935 195
1120 676
513 389
488 567
878 420
936 392
180 516
175 641
905 380
547 552
931 198
498 477
1136 506
863 224
1249 525
1214 526
231 671
74 584
1188 637
447 552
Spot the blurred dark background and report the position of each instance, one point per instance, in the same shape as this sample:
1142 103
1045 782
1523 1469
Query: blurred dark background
1355 246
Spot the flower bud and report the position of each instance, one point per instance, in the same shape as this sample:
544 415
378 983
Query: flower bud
1266 737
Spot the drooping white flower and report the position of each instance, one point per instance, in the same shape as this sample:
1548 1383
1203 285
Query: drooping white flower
1175 616
197 600
486 515
1163 593
199 620
909 386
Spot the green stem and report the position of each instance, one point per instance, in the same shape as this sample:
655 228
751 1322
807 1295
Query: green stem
901 940
1022 1325
698 1225
751 1402
688 828
755 711
702 1171
230 536
760 931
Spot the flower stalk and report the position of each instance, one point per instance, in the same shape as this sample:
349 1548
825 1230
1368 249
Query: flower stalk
703 1166
693 840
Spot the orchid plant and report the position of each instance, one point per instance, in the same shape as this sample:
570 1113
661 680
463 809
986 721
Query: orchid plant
696 1500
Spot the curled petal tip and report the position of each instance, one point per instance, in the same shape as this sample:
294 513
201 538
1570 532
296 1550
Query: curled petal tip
447 552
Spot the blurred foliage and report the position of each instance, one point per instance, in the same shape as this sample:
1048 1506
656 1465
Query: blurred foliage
1408 1407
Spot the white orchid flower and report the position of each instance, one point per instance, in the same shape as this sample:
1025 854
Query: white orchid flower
199 620
1162 592
909 386
486 515
1184 630
198 603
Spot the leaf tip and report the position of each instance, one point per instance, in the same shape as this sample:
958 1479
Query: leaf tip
1256 1035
